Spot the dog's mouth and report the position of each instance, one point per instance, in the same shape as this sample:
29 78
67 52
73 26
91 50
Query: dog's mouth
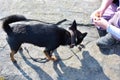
72 45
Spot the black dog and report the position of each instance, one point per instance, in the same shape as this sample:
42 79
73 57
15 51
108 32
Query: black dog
49 36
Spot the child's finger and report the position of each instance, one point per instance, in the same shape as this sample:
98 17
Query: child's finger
98 15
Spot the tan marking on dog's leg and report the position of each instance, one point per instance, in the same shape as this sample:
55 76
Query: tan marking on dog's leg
12 55
54 58
50 57
47 55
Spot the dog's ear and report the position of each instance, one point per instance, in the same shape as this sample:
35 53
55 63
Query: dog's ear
84 34
80 37
74 26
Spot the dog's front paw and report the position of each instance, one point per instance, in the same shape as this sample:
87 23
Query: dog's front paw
53 58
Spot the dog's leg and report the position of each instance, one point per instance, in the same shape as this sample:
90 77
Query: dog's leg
12 55
49 56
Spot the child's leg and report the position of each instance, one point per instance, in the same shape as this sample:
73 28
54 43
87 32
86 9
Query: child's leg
101 32
106 41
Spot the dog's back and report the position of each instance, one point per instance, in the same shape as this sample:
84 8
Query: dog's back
43 35
39 34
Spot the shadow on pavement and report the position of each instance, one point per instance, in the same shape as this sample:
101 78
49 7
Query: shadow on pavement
42 74
90 69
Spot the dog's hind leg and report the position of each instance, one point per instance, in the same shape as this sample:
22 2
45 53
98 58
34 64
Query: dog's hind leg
49 56
12 55
14 49
14 46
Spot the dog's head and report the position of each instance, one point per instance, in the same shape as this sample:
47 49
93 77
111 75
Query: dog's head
76 36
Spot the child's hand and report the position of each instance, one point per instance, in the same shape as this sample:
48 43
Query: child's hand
96 14
101 22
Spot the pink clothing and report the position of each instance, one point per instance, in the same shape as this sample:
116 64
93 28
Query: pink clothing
110 11
112 14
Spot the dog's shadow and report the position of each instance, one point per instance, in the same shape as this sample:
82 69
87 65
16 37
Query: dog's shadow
90 69
42 74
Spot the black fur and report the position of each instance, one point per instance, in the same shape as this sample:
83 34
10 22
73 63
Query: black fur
49 36
10 19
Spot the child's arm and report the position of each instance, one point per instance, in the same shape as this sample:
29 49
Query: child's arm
105 4
100 11
112 27
114 31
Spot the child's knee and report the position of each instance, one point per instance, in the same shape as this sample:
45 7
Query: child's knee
105 42
100 43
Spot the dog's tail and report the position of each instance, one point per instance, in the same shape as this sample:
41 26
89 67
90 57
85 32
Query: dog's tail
10 19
